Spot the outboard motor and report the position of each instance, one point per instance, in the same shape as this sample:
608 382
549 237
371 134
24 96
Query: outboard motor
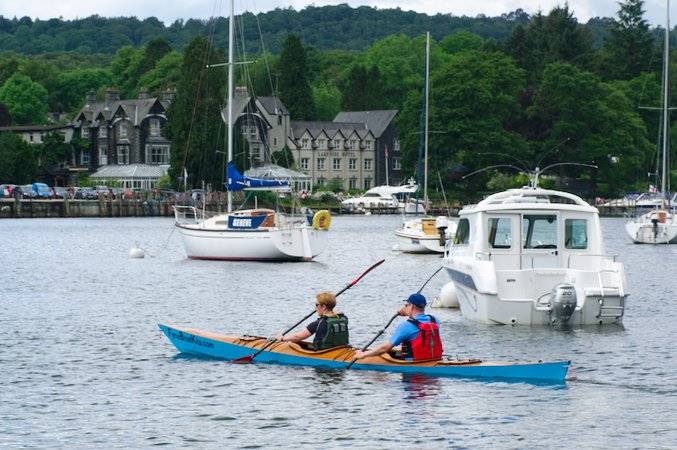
441 225
562 302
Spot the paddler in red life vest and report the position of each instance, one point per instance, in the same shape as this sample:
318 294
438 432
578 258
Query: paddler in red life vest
419 335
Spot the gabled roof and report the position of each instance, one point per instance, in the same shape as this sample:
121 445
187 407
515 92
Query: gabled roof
376 121
273 105
330 128
131 171
135 109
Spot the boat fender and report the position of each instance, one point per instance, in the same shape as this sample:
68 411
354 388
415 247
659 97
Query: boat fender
563 302
322 220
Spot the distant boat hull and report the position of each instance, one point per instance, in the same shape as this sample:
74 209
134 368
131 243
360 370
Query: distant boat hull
253 245
643 231
213 345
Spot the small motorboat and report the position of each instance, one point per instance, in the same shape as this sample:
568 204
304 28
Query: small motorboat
213 345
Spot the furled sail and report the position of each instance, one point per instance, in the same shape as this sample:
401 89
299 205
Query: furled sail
238 182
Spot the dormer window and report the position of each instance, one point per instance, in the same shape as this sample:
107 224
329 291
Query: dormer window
122 131
321 143
103 132
368 144
305 143
154 127
84 132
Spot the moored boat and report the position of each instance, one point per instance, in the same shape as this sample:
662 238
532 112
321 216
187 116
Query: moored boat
213 345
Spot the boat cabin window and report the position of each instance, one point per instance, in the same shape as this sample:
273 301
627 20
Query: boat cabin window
576 234
539 231
500 233
462 232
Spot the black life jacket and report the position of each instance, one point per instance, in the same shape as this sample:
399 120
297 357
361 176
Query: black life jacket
427 343
336 335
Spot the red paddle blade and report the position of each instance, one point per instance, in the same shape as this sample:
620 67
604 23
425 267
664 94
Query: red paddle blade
244 360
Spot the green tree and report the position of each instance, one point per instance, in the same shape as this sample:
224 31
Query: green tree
283 158
630 45
8 67
461 41
362 91
5 117
71 87
165 74
327 101
18 164
600 123
194 123
54 150
294 85
26 100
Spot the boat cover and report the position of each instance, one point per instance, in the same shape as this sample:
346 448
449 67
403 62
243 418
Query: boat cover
238 182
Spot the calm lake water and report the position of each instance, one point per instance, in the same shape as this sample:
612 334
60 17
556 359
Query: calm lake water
84 365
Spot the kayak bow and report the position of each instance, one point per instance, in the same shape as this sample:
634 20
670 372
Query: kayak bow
213 345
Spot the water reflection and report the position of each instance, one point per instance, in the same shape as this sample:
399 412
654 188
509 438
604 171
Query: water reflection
420 387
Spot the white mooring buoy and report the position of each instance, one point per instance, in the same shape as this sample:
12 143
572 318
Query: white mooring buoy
447 298
136 252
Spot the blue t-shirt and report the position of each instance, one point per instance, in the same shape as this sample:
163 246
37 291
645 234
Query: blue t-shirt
407 331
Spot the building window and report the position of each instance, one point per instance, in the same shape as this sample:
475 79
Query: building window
279 120
320 181
30 137
122 131
84 132
337 143
305 143
103 155
353 144
367 164
154 127
396 163
159 154
352 164
322 143
255 152
367 183
275 142
123 154
337 164
369 144
103 132
396 146
320 163
352 183
304 163
84 158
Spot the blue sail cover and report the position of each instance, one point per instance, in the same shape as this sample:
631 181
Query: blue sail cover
238 182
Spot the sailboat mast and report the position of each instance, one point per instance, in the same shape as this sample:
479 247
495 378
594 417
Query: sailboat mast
425 145
231 73
666 65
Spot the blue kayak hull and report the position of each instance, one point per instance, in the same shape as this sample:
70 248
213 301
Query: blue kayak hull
197 342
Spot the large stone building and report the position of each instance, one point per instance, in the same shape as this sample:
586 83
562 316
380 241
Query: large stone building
127 144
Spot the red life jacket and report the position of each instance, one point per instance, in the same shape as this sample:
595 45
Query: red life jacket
427 343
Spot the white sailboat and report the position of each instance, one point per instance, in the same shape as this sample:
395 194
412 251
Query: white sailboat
254 234
424 234
659 226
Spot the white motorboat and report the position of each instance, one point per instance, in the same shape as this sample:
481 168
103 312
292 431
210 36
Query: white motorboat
381 197
424 234
533 256
658 226
257 234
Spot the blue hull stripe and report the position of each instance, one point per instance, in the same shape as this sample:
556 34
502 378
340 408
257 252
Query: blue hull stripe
550 372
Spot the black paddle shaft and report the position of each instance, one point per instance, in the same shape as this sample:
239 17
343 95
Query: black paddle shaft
348 286
383 330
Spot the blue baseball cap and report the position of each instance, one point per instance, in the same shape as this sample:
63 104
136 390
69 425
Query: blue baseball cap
417 300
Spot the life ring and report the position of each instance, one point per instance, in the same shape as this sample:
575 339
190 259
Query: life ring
321 220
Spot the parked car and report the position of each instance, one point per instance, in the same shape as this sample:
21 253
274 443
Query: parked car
41 190
6 190
27 191
86 193
60 192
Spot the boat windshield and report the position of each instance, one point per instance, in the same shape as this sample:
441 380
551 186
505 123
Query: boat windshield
539 231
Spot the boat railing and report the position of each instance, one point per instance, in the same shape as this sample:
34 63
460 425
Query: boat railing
186 215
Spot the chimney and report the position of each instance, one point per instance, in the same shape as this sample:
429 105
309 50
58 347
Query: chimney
112 95
90 99
143 94
168 95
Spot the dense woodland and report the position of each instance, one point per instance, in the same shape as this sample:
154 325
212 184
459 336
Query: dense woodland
507 90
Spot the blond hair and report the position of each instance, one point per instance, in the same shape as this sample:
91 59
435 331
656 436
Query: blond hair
327 299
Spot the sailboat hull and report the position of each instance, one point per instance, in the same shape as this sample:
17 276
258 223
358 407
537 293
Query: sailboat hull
290 244
643 231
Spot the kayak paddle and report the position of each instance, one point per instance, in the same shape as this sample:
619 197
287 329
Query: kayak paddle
250 358
364 349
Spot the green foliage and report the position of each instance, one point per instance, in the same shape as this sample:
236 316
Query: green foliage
18 164
335 185
283 158
461 41
629 47
327 98
361 91
164 182
294 87
194 123
25 99
71 87
54 150
84 180
5 117
165 74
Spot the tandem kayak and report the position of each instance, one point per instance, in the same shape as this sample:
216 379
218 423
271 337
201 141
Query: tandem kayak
213 345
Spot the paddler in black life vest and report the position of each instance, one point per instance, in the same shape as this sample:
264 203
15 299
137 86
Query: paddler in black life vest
419 335
330 329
